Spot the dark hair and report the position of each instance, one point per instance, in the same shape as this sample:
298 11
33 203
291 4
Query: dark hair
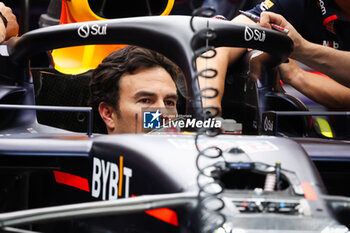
104 83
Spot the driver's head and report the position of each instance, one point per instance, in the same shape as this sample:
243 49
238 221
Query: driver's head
128 80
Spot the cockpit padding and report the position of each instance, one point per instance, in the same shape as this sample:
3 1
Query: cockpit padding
240 99
55 89
296 126
10 95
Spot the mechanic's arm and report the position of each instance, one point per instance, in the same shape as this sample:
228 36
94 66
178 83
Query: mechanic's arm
332 62
224 57
319 88
11 29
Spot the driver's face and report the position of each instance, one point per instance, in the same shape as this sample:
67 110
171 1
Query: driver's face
147 88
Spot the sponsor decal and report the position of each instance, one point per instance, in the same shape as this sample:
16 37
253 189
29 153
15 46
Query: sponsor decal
108 179
250 34
85 30
255 124
4 51
107 182
323 8
267 4
268 124
332 44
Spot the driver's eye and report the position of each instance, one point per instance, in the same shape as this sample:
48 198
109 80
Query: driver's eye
145 101
170 103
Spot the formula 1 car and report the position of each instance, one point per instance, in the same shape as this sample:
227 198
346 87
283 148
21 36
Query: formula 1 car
55 180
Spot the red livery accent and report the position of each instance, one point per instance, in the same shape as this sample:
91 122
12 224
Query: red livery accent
164 214
72 180
319 73
309 192
329 19
63 19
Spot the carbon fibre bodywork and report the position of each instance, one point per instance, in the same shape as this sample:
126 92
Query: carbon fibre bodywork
43 166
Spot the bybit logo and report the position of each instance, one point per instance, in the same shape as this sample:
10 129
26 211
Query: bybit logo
108 179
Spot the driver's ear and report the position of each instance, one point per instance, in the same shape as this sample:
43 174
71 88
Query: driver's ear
107 113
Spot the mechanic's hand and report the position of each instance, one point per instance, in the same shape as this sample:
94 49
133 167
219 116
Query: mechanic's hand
269 17
290 72
12 25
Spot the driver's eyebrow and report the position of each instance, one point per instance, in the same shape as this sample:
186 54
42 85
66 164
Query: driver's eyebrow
172 96
144 93
140 94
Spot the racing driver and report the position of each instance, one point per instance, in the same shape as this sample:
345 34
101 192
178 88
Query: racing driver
128 81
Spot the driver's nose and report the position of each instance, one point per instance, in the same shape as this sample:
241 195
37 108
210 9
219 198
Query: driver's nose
159 104
167 113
